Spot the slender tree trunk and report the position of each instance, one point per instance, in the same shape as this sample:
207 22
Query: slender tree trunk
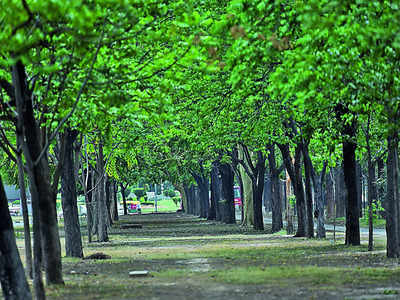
102 234
359 187
108 201
391 207
24 204
352 209
12 275
123 190
115 203
73 238
319 201
212 212
227 204
330 199
372 196
40 176
294 171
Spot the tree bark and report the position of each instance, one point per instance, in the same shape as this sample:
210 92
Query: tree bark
12 274
352 208
40 176
24 205
203 185
276 202
123 191
309 199
115 203
73 237
226 203
212 213
392 198
101 206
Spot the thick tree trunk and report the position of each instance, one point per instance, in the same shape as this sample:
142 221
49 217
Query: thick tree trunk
212 213
73 238
309 199
24 205
102 234
12 274
40 177
203 201
267 193
352 209
392 198
226 204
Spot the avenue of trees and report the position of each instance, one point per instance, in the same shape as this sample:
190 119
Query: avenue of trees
98 95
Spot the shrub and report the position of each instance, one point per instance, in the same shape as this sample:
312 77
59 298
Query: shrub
176 200
170 193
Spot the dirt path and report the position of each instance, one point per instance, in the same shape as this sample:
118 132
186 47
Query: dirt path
189 258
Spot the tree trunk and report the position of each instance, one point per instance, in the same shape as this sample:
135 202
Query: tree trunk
330 199
319 202
372 196
352 209
108 201
40 176
392 198
24 205
102 234
123 191
309 199
258 188
203 201
115 203
212 213
227 204
12 274
359 187
73 238
294 171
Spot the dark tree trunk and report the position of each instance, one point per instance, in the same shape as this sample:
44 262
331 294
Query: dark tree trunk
320 203
381 179
73 238
276 202
24 205
309 199
102 234
108 201
226 204
340 193
372 196
392 198
215 196
203 201
123 190
352 208
40 176
359 187
294 171
115 193
88 201
12 273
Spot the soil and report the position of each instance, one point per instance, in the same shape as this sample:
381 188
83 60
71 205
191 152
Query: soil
185 256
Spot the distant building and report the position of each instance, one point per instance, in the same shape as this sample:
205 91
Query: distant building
13 194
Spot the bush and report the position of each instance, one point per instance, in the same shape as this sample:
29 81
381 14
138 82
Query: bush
176 200
139 192
170 193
